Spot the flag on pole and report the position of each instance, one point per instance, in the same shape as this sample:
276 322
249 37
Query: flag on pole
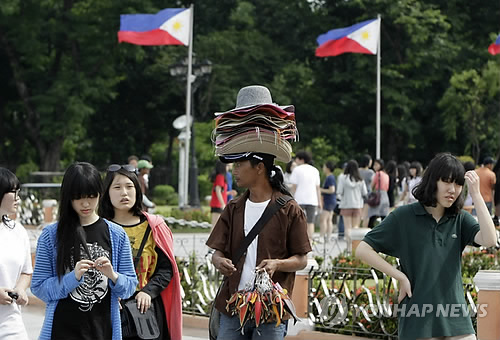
167 27
495 47
359 38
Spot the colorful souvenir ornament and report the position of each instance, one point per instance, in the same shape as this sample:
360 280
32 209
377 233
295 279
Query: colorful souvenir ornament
263 301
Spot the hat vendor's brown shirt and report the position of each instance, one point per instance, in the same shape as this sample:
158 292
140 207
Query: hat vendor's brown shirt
284 235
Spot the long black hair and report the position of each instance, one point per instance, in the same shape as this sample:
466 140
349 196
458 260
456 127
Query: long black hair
220 169
352 170
80 180
8 183
106 208
273 172
445 167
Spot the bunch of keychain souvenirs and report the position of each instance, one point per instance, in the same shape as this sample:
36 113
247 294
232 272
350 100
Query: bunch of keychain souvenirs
262 300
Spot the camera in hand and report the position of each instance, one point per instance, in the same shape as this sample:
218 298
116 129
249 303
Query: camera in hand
13 295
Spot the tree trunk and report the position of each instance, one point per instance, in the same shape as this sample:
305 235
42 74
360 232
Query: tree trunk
50 155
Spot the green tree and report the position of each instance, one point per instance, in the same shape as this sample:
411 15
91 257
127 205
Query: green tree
61 69
469 109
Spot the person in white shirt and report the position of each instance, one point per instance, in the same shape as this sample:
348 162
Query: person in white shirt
15 261
305 187
352 189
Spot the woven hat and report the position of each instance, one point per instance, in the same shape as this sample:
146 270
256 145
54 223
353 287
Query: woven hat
255 125
263 141
255 95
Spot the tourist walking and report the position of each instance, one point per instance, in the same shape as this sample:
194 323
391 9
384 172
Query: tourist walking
156 269
351 190
83 264
329 201
15 261
380 184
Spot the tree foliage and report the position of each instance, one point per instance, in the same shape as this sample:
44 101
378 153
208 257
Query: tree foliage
71 92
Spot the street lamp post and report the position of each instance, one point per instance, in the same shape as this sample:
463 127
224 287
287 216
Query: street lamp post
200 72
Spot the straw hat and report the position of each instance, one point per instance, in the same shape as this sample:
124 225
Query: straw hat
263 141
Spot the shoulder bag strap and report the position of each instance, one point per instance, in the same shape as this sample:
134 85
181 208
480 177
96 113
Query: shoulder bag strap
266 216
141 248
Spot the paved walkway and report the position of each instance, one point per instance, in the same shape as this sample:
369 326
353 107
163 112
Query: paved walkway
33 316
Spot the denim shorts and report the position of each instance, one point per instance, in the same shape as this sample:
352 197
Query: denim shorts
230 330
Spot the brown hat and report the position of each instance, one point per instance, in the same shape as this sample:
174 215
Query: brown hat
262 141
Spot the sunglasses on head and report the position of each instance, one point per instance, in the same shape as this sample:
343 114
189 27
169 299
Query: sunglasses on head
127 167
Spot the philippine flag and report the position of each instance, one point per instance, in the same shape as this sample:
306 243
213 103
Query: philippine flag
495 47
167 27
359 38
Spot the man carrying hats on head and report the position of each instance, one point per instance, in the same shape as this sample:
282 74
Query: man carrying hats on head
282 245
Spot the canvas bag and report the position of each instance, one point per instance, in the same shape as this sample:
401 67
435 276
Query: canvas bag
214 318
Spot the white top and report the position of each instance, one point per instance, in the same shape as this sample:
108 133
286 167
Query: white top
306 178
15 258
412 183
253 211
351 193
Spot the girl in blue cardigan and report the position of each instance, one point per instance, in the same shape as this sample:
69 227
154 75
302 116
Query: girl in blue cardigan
83 264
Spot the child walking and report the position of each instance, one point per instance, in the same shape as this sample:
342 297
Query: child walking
83 264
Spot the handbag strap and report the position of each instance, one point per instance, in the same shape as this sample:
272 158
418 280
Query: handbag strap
378 173
141 248
270 210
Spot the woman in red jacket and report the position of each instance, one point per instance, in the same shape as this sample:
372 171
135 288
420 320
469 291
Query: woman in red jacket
157 272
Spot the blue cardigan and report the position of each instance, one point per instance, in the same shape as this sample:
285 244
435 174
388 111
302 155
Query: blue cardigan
46 285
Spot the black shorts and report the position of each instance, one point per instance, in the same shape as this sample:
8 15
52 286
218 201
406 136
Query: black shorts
216 210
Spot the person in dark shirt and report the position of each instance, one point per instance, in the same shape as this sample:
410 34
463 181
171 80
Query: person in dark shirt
83 264
159 282
428 237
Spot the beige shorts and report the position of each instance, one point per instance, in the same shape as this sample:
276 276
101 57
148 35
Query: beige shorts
350 212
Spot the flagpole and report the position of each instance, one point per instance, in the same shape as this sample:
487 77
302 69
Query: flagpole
189 80
377 154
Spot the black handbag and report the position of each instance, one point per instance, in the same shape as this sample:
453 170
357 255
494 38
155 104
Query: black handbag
134 323
373 198
214 318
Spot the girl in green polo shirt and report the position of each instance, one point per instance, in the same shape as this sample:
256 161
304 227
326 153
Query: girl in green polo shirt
429 237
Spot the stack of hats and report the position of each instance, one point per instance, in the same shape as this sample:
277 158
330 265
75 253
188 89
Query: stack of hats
256 124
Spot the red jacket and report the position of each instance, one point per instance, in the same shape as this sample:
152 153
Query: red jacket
171 296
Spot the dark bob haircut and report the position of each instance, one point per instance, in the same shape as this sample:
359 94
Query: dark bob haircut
445 167
106 208
8 182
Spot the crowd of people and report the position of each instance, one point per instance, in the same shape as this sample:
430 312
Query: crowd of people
106 250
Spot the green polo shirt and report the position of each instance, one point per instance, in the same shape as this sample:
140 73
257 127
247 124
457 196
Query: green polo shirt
430 254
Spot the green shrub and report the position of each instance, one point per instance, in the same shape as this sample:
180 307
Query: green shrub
24 170
191 214
205 187
165 195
